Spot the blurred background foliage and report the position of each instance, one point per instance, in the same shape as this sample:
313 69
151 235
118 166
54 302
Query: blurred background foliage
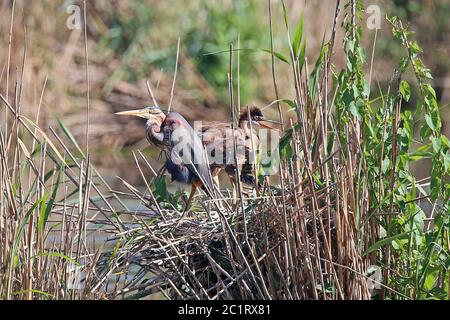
145 38
429 19
134 41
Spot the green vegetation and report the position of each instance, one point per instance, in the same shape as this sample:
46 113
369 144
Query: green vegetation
206 29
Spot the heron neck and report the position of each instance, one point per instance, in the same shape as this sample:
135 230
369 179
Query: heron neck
244 125
154 133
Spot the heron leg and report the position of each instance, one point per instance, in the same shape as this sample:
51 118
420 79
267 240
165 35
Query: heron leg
191 196
188 203
160 172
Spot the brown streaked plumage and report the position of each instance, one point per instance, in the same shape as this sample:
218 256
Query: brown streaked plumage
217 136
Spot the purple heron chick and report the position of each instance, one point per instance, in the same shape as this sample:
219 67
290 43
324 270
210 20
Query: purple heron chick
217 137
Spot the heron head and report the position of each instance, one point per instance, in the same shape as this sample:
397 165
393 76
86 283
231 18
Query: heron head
151 112
257 118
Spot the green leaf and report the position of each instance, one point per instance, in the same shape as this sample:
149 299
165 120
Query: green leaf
286 152
290 103
302 55
24 222
47 208
70 137
331 141
425 131
298 38
437 144
403 64
386 241
429 89
277 55
355 111
447 161
57 255
415 48
415 156
42 217
445 141
313 80
285 16
405 90
429 122
435 184
35 292
161 188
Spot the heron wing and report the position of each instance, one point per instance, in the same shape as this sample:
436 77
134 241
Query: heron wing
186 150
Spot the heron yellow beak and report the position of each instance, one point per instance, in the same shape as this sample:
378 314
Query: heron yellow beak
145 113
265 123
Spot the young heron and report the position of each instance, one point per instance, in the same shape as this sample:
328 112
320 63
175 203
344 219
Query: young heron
217 137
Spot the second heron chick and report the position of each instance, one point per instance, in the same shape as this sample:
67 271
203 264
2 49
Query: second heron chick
218 139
